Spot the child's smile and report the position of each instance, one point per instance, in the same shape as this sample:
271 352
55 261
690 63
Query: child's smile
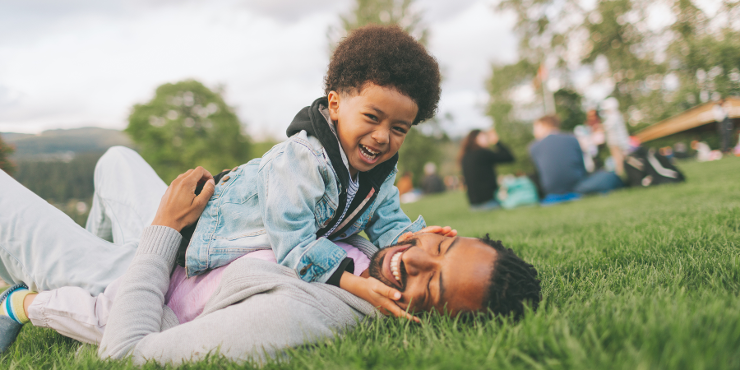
371 125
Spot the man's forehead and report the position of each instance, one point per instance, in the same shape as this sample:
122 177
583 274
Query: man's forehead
466 275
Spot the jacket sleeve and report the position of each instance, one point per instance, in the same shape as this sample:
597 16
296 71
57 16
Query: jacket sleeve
502 154
290 185
389 222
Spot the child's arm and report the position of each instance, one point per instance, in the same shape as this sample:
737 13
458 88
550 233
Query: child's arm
376 293
389 222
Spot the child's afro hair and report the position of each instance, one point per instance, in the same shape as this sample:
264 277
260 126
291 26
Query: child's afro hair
386 56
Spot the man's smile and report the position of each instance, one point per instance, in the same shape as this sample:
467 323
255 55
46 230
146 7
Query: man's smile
393 270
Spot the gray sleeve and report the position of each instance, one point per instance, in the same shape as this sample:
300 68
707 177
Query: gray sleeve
260 326
139 307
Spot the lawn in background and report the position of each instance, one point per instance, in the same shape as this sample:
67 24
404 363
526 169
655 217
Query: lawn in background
639 279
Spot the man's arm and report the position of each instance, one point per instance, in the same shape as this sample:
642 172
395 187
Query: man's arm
389 221
138 308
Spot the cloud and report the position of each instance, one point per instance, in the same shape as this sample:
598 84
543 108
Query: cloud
87 62
466 45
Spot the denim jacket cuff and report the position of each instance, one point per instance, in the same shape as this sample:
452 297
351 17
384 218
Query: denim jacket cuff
413 227
320 261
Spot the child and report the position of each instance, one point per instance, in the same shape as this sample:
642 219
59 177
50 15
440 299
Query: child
333 177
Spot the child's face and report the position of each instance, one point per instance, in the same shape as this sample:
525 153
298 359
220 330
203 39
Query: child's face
371 125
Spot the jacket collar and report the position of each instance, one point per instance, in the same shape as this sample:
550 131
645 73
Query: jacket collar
311 120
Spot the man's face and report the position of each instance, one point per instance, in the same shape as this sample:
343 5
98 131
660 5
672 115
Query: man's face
371 125
437 272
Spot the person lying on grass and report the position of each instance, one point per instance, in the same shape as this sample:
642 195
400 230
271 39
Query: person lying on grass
254 308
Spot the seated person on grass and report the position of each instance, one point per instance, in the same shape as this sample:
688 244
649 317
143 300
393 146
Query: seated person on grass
559 162
131 298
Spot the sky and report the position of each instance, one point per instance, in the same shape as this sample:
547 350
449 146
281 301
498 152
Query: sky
79 63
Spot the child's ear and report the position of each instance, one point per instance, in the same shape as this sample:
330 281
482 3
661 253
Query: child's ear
334 98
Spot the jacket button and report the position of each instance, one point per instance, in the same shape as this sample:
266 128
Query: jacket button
225 179
304 270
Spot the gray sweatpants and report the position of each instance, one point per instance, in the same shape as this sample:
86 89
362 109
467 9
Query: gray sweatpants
70 266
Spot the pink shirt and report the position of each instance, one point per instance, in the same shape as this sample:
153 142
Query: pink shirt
188 297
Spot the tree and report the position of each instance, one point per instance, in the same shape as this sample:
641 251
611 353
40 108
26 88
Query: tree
5 152
187 125
569 109
514 130
656 72
382 12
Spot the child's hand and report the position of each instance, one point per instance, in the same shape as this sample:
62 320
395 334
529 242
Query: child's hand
378 294
445 231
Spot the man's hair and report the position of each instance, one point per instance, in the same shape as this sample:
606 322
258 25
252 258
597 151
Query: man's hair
513 283
549 120
389 57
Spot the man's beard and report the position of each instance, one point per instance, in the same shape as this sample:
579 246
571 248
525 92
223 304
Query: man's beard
376 266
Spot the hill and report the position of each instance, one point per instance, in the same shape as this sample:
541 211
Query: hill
63 144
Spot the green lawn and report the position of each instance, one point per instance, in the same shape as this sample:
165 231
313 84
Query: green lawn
639 279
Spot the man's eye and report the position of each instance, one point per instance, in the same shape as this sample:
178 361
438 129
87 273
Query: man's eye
372 117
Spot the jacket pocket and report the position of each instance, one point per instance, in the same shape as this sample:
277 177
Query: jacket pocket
324 211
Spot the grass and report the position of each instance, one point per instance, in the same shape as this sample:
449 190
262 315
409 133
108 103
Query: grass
638 279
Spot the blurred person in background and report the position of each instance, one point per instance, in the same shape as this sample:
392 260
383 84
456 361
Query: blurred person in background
590 150
721 112
704 153
593 121
405 183
558 159
478 162
432 183
680 150
617 137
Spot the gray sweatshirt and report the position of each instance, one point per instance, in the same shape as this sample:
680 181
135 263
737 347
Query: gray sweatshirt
258 309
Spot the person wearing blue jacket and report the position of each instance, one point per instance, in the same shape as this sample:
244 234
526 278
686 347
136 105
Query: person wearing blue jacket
334 176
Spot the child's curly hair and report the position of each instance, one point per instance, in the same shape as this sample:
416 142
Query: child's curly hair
386 56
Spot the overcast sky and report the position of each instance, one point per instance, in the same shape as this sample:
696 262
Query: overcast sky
68 63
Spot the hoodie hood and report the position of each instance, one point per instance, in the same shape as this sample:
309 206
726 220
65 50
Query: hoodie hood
311 120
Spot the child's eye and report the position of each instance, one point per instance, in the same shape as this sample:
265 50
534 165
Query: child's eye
400 129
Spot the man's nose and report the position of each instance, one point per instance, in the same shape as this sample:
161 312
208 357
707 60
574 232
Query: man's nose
417 261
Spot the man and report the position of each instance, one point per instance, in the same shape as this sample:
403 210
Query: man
258 308
559 161
724 124
617 137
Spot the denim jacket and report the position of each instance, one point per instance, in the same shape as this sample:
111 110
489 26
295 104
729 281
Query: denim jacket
288 198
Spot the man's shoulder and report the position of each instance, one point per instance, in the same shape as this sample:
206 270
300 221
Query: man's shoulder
560 138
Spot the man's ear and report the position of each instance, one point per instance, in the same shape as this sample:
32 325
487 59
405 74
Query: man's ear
334 99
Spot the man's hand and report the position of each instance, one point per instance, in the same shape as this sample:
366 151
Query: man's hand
180 206
444 231
378 294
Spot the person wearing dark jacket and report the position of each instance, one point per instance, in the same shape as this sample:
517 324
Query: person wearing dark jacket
478 167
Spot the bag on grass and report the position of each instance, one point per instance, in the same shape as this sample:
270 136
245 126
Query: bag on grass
645 167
